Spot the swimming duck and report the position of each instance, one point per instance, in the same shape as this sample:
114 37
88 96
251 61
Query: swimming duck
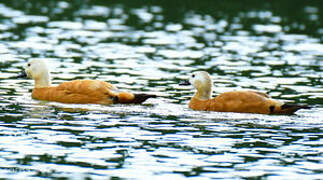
76 91
235 101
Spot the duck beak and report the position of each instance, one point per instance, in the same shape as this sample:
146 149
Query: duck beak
185 83
22 75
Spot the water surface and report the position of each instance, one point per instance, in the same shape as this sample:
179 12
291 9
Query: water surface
150 47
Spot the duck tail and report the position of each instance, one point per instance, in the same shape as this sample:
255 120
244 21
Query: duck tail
290 108
127 98
139 98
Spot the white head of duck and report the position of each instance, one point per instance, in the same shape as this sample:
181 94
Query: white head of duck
37 70
202 82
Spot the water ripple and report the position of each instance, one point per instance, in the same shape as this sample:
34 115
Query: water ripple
151 48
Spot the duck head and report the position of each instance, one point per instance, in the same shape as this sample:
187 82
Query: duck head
37 70
202 83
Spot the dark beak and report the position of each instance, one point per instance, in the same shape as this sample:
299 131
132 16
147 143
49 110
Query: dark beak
185 83
22 75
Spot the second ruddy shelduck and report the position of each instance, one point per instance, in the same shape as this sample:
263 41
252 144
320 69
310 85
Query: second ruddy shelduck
235 101
76 91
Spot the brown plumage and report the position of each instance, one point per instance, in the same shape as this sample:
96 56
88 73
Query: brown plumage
236 101
77 91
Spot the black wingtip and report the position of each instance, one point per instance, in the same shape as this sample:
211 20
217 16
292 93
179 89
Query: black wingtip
292 108
296 106
140 98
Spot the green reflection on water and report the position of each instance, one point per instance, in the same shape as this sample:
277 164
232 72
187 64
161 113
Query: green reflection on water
248 44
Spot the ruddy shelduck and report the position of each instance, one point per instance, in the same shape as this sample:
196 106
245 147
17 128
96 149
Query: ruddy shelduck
235 101
76 91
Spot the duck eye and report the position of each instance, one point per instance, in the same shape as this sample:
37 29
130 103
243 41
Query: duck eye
28 64
193 75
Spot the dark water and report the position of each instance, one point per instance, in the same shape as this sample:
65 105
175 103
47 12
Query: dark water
149 46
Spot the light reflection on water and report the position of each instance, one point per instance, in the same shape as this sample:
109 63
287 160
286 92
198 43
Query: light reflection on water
141 50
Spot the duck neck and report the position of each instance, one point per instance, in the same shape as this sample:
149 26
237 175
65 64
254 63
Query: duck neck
203 94
43 81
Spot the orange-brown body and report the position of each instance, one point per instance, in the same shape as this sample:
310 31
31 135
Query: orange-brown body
235 101
243 102
77 91
82 92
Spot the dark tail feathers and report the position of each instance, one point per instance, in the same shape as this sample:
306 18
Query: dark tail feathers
291 108
139 98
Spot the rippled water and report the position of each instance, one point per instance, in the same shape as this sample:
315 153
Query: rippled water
149 48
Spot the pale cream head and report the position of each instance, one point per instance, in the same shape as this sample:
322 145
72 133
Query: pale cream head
202 82
37 70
